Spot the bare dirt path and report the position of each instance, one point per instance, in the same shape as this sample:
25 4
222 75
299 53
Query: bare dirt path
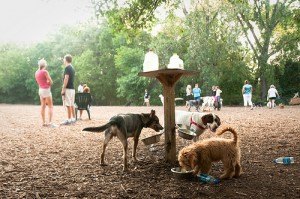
40 162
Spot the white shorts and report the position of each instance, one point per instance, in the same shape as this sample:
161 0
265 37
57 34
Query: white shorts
247 99
69 97
45 92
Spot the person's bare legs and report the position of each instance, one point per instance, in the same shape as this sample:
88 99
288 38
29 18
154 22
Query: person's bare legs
43 107
69 109
50 107
73 111
272 103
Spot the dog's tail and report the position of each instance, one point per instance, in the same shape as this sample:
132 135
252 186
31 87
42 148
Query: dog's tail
97 129
228 128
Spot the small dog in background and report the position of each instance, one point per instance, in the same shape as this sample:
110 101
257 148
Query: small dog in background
195 103
208 103
200 155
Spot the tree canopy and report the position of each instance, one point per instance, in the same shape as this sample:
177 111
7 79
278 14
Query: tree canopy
226 42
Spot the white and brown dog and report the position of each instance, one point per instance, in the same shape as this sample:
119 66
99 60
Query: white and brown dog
199 122
208 102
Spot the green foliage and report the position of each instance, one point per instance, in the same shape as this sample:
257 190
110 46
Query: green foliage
261 19
15 72
210 39
216 53
290 85
128 62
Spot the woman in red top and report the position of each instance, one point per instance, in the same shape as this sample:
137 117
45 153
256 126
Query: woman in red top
44 81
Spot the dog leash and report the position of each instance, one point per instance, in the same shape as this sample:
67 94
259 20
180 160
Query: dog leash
198 125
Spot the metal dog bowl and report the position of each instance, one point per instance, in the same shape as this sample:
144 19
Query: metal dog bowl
177 173
186 134
152 139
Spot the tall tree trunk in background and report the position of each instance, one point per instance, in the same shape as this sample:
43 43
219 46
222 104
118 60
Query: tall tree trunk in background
259 20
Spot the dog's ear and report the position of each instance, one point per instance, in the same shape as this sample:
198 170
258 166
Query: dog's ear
145 118
152 113
209 118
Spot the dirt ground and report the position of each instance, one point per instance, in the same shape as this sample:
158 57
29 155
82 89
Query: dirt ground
41 162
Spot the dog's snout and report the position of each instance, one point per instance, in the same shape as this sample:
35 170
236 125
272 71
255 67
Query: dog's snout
158 127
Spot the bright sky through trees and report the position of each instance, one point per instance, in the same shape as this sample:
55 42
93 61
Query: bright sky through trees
27 21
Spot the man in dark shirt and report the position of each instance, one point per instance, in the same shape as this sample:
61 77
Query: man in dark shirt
68 90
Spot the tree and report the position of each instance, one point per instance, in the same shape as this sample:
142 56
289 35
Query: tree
130 14
16 75
215 50
259 20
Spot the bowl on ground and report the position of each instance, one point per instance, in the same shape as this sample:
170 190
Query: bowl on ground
180 174
186 134
152 139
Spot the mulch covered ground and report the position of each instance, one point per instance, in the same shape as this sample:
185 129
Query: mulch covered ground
40 162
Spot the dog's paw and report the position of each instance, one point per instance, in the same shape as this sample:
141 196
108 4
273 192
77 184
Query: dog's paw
103 164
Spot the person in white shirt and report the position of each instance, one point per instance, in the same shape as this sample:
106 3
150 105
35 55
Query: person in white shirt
272 95
189 95
175 62
80 88
151 62
218 97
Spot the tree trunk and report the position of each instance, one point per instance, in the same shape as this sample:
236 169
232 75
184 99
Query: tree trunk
262 67
263 84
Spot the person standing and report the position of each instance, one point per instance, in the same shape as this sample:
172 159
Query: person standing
147 98
151 62
272 95
213 95
44 81
197 93
218 97
189 95
85 89
68 90
247 94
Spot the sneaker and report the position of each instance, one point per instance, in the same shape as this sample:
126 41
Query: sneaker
53 125
73 121
66 122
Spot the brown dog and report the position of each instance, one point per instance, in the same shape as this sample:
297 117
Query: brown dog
124 126
200 155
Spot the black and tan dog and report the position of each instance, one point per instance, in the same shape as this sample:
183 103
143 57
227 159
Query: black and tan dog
124 126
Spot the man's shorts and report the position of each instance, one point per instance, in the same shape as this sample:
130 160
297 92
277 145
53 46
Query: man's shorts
45 92
69 97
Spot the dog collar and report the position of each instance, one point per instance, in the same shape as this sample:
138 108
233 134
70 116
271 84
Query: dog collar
198 125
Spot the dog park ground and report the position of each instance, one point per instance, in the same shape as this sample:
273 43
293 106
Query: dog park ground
64 162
